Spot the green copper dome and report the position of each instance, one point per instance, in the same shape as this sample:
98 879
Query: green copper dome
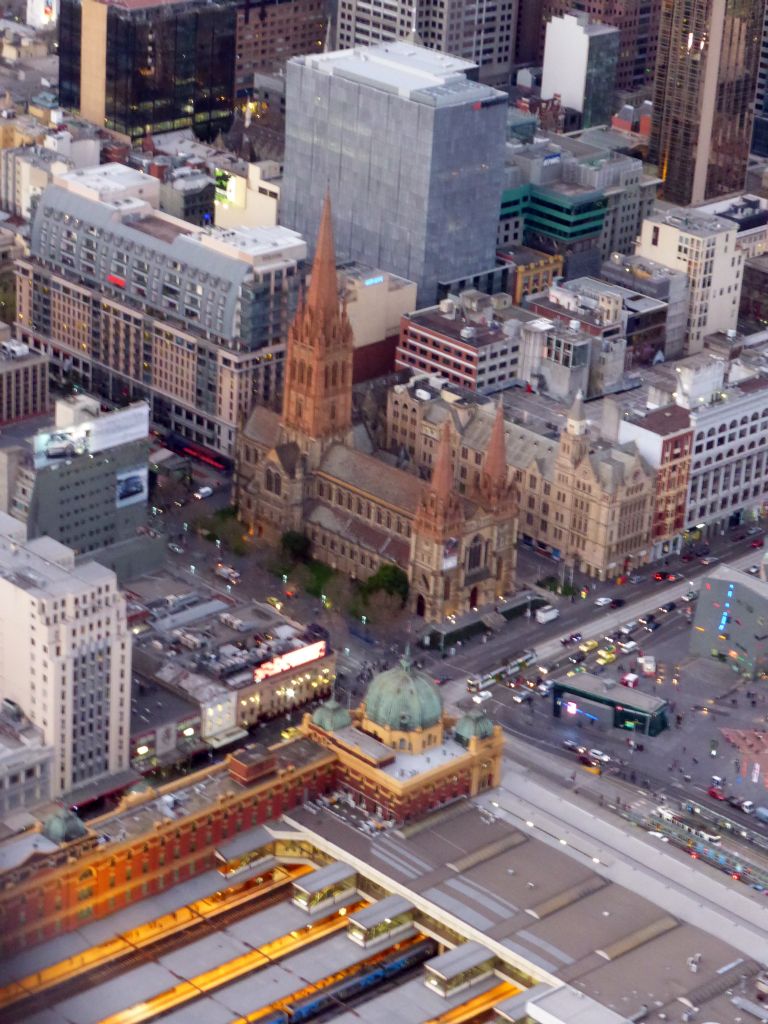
404 699
63 826
331 716
474 723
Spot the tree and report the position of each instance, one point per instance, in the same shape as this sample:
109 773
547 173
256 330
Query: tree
295 545
389 578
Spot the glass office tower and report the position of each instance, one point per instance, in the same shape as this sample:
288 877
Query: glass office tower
139 67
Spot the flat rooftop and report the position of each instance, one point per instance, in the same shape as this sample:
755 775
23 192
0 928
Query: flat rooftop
478 335
407 70
692 221
107 179
610 689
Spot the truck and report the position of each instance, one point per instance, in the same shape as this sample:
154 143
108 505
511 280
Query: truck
547 613
647 664
227 573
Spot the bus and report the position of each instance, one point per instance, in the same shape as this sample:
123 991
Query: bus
484 681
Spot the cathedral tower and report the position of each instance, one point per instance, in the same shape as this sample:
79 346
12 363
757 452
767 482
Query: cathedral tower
317 394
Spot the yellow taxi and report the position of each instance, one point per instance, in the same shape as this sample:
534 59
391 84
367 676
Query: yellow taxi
605 657
588 645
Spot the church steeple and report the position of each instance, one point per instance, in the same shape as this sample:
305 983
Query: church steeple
440 508
494 479
574 441
317 394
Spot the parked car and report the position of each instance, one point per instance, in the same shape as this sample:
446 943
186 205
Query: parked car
754 570
652 626
668 607
602 602
177 549
202 492
758 542
753 531
606 658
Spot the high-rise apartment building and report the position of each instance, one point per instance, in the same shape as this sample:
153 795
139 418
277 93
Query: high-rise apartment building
704 88
638 25
411 150
138 67
268 33
705 249
760 129
475 30
580 58
65 654
142 306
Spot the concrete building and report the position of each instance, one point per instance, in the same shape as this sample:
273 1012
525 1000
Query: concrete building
729 622
376 301
26 761
664 438
84 481
646 277
120 65
575 200
66 654
638 25
42 13
23 382
760 128
728 481
704 88
705 249
409 198
472 340
750 215
753 301
189 195
481 33
580 63
135 304
245 196
25 174
609 311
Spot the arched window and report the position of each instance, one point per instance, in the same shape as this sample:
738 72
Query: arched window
277 485
301 373
334 375
475 554
309 376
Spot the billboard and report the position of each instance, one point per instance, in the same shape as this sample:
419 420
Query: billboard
131 487
91 436
289 660
450 553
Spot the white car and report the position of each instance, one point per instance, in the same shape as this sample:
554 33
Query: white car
599 755
602 602
658 835
482 697
754 570
204 492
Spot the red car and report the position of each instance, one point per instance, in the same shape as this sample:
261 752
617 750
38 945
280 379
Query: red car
715 793
758 542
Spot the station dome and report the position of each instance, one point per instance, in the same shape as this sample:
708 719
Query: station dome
331 716
474 723
63 826
403 699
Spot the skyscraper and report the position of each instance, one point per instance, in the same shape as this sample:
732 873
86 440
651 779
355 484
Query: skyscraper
706 73
411 150
472 29
138 66
760 132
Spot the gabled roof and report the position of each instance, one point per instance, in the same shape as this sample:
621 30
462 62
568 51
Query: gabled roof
385 483
262 426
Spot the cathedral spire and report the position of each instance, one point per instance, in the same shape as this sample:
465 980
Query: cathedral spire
323 294
441 483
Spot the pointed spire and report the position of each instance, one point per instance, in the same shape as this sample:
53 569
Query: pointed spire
441 483
495 462
406 660
323 296
577 409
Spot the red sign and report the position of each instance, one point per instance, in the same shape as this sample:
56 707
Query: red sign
289 660
114 279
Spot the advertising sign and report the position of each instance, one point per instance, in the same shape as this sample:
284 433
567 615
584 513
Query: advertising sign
92 436
131 487
450 553
289 660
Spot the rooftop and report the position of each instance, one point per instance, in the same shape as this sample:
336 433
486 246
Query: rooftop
669 420
107 179
609 689
473 333
693 221
407 70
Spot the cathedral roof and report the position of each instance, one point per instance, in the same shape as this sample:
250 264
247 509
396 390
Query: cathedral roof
372 476
378 539
262 426
404 699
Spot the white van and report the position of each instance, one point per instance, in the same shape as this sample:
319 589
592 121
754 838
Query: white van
482 697
628 646
547 613
203 492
